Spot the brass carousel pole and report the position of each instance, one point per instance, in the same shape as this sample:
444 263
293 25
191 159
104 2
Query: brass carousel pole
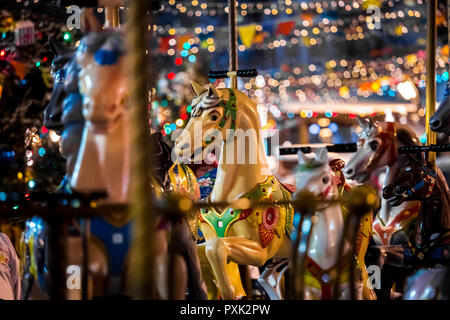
141 193
232 34
111 17
431 75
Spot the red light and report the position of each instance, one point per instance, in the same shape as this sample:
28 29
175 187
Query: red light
315 114
183 116
2 53
334 114
352 115
171 76
178 61
45 59
374 114
44 130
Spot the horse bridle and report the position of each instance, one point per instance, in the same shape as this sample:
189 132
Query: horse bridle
430 177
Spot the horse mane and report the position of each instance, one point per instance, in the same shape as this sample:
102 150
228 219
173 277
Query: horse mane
407 137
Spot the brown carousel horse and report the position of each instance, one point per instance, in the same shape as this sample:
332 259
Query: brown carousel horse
430 242
377 148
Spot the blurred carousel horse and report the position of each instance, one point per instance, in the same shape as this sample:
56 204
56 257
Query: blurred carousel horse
235 236
429 245
96 143
377 148
325 180
9 270
440 121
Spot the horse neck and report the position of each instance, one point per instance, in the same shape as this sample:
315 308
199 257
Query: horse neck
103 162
387 212
235 178
435 210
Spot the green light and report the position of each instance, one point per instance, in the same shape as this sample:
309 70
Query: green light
38 64
67 36
189 109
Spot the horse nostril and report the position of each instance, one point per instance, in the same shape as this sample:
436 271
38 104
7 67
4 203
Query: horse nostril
349 171
435 124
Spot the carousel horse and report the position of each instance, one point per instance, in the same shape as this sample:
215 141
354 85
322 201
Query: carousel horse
429 243
325 180
102 163
377 148
440 121
235 236
429 246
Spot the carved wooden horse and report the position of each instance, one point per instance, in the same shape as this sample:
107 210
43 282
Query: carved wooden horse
430 243
235 236
315 175
418 181
103 164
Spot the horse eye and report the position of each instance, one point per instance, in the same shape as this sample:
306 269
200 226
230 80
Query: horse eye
214 117
325 179
373 145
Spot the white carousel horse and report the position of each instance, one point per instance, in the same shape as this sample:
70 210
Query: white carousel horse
235 236
327 226
98 73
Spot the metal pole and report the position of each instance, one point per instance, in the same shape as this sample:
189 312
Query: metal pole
85 228
111 17
431 75
233 42
141 192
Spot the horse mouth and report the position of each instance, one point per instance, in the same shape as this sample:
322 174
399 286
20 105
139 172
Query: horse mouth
394 200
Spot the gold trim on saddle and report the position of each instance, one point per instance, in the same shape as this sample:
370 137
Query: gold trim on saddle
269 220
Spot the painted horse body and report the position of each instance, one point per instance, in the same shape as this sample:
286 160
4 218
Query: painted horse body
440 121
98 159
326 182
235 236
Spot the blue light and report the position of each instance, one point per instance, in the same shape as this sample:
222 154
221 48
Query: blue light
314 128
186 46
438 78
2 196
168 130
173 126
31 184
42 152
333 127
423 138
164 103
290 115
391 93
328 114
192 58
184 53
444 76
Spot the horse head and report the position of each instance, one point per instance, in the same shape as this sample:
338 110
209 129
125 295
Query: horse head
102 79
440 120
414 181
214 113
376 149
53 111
316 176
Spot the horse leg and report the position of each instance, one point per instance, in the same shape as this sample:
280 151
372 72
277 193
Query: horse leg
234 249
207 272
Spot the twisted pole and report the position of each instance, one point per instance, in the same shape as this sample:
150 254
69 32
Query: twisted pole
232 36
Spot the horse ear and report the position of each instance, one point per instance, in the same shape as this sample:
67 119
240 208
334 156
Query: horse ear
212 92
371 123
197 88
302 158
57 48
322 155
362 123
